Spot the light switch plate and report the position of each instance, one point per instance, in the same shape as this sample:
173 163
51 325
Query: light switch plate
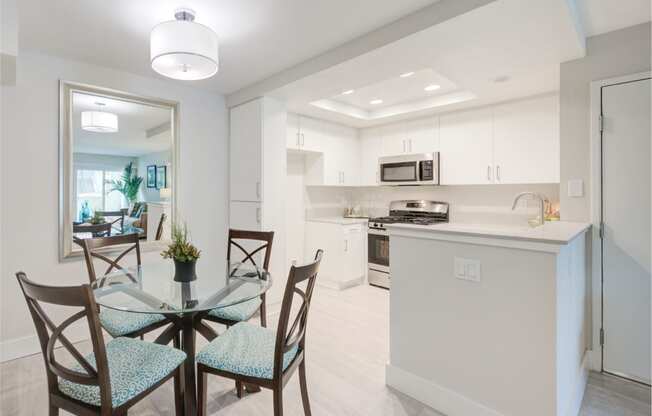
460 268
576 188
467 269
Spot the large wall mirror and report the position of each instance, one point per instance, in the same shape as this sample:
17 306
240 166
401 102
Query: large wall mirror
118 157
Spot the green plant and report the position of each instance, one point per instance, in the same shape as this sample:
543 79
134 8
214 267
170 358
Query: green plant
181 249
97 219
129 184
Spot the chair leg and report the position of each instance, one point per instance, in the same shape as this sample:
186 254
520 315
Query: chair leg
304 388
178 392
202 392
54 411
263 313
238 389
278 401
176 341
142 337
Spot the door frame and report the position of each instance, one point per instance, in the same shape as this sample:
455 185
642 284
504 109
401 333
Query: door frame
596 204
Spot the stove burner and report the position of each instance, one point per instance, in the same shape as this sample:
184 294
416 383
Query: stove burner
406 220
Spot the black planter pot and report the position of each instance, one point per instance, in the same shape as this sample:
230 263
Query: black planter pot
184 271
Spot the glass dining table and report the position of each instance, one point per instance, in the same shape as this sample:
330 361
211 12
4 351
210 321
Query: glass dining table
151 289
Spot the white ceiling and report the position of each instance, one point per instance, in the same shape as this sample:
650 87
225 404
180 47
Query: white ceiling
602 16
257 38
134 120
522 40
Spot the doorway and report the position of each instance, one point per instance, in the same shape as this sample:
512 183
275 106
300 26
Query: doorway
625 227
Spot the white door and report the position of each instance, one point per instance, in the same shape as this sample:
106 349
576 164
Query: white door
465 142
246 152
626 217
526 141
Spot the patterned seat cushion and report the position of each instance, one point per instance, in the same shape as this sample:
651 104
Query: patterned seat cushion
119 323
238 312
134 366
245 349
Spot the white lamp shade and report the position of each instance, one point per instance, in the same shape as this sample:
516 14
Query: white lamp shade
99 121
165 193
184 50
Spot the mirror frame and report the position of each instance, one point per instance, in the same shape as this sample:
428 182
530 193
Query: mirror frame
66 90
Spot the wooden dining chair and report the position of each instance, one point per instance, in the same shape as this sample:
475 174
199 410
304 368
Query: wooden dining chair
159 229
117 219
231 315
111 379
254 355
119 323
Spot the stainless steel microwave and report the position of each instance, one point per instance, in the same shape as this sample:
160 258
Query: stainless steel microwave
415 169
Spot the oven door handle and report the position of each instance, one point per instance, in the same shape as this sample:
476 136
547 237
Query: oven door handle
382 233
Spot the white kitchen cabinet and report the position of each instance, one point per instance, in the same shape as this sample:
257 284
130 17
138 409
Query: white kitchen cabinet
393 139
335 160
246 151
526 141
293 132
422 135
246 215
343 264
371 149
466 148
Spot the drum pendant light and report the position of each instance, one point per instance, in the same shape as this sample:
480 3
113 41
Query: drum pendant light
183 49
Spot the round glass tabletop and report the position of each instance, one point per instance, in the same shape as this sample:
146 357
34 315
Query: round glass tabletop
151 288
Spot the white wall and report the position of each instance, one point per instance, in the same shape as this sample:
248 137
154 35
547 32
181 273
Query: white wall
30 120
295 209
609 55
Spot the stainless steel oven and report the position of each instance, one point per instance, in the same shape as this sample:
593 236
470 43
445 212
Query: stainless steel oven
416 169
378 257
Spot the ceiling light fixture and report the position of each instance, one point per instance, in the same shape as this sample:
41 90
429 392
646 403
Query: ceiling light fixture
407 74
99 121
376 101
347 92
432 87
183 49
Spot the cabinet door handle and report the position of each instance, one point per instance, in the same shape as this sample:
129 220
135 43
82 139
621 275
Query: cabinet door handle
489 173
303 139
498 173
342 177
410 145
258 215
258 190
298 139
346 245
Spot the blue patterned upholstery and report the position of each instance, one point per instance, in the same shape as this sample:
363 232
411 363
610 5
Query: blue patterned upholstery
245 349
134 366
119 323
238 312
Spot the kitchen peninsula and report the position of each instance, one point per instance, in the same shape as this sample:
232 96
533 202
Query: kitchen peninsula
489 320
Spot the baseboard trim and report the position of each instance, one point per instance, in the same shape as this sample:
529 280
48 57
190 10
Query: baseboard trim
339 284
13 349
439 398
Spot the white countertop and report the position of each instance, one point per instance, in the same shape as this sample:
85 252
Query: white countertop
339 220
554 232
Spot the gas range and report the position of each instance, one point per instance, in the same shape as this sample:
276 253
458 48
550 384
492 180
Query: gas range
405 212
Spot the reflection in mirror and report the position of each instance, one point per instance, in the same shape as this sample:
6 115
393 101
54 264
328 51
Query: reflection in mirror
120 167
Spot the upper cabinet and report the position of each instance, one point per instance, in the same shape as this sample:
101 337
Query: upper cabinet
466 148
246 149
511 143
371 149
526 141
414 136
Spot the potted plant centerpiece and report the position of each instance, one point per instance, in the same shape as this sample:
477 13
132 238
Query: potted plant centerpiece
183 253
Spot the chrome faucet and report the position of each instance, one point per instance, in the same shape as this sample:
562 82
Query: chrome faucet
542 205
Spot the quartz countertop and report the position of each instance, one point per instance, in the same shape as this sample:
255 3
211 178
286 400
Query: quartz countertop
339 220
554 232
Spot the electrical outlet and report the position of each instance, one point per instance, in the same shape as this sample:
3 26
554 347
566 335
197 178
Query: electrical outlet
467 269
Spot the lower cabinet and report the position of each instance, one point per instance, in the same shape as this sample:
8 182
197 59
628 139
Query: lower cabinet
344 259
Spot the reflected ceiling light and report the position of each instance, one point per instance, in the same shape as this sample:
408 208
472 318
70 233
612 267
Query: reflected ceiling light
182 49
407 74
376 101
99 121
347 92
432 87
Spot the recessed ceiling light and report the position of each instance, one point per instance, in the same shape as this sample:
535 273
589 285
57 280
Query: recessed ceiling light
432 87
376 101
407 74
347 92
502 78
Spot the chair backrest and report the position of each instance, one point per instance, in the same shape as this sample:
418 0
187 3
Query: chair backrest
118 217
159 230
103 230
91 245
286 339
50 334
266 237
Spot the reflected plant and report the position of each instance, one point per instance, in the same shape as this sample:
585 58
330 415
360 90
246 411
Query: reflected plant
129 184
